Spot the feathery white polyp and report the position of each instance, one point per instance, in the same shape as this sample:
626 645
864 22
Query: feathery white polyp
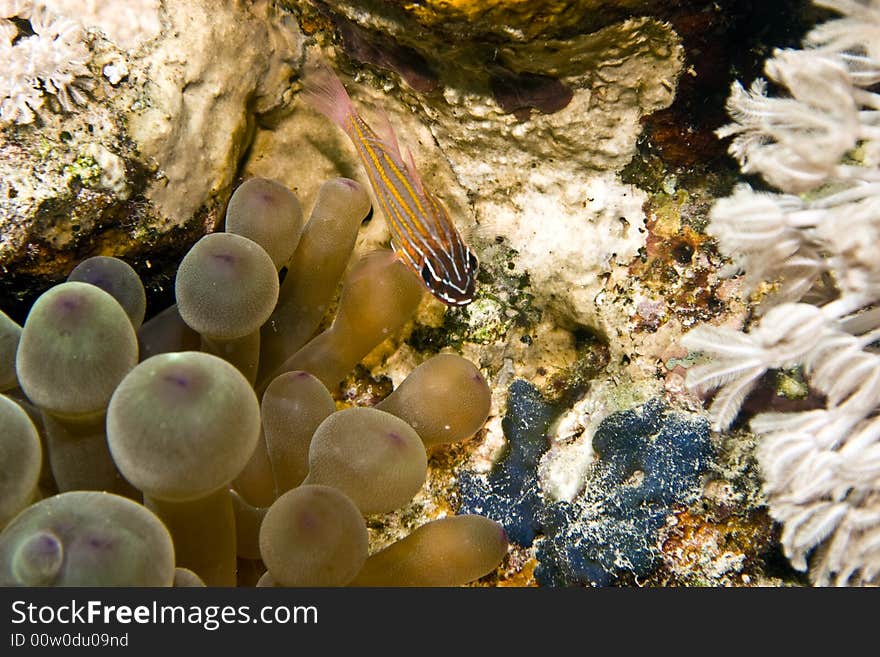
821 468
50 61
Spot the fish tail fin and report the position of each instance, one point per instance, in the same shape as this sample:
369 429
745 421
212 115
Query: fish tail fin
323 91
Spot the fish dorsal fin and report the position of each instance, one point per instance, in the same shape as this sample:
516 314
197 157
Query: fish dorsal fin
410 165
388 138
385 132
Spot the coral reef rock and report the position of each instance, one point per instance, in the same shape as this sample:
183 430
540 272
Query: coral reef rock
522 142
136 155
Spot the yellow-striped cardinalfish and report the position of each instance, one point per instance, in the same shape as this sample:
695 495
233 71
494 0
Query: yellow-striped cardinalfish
422 234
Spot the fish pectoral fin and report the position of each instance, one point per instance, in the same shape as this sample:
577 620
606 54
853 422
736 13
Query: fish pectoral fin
405 257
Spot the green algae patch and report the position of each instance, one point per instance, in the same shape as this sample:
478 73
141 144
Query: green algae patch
503 302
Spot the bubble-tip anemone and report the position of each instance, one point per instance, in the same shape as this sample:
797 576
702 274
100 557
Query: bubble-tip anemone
373 457
76 345
21 458
314 270
185 425
445 399
313 536
293 406
118 279
226 286
182 425
85 538
10 333
378 296
268 213
446 552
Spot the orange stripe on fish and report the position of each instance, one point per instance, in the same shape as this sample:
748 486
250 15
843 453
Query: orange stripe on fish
422 234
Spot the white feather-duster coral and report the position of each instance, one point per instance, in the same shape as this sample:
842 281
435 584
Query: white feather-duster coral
51 61
821 468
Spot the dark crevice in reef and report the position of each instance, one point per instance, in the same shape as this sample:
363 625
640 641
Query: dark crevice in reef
573 383
519 92
723 41
158 273
120 231
379 50
776 565
371 47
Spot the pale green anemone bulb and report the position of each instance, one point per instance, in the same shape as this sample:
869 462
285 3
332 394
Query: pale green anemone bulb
313 536
445 399
373 457
378 296
314 271
181 426
76 345
226 287
447 552
21 459
86 538
119 280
